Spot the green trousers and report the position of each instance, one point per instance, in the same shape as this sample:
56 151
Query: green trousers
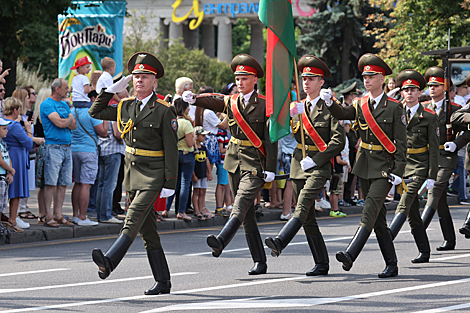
409 203
245 187
374 213
437 196
141 219
306 191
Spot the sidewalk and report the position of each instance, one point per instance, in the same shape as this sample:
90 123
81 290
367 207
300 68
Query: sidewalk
39 232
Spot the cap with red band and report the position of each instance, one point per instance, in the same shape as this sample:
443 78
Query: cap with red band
370 64
245 70
145 63
411 79
311 66
434 76
144 67
244 64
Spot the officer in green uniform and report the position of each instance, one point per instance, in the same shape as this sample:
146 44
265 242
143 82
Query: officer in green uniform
375 155
463 116
421 160
437 196
309 175
149 129
248 167
349 94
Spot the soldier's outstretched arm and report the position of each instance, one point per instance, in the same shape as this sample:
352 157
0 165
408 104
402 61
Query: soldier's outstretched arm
100 108
214 102
342 113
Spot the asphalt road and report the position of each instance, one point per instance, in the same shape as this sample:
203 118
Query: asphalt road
60 276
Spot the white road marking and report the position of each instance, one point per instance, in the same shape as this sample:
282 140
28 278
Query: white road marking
452 257
35 272
197 290
251 303
246 249
87 283
447 308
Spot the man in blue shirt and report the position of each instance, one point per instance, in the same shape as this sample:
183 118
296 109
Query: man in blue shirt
57 121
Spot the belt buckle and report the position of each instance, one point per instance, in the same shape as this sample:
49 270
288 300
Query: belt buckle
370 146
133 151
239 142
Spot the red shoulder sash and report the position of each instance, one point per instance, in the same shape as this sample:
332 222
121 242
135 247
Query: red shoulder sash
313 134
245 127
378 132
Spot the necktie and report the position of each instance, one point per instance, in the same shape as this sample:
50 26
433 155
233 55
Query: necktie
243 103
137 107
372 103
408 116
434 107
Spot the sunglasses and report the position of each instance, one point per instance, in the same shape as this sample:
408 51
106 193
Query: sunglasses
33 93
2 90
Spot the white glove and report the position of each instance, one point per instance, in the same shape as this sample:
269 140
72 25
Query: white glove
450 146
120 85
325 95
296 108
269 176
430 183
392 92
188 97
165 193
396 180
307 163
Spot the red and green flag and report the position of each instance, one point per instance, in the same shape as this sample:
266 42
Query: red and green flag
280 55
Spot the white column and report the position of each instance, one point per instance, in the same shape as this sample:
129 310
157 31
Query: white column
163 29
191 37
175 32
224 38
257 42
208 39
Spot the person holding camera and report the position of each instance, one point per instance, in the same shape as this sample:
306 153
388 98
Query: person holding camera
324 139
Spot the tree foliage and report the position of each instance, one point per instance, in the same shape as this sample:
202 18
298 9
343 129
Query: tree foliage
176 59
26 26
422 25
339 33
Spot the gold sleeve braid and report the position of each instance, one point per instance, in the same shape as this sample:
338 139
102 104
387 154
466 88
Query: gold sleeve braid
126 127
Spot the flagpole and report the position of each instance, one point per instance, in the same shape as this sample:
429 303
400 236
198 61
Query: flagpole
302 136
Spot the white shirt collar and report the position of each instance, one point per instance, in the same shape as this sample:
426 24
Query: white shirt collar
438 105
377 100
413 109
313 102
247 96
145 100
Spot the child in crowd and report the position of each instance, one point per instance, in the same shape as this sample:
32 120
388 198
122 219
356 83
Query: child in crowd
202 173
106 79
336 186
222 191
81 84
6 172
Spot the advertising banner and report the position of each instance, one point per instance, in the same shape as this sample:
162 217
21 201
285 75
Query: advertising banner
94 29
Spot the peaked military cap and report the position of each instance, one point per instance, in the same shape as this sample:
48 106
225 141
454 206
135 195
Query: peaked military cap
312 66
145 63
370 64
411 78
244 64
434 76
462 83
350 89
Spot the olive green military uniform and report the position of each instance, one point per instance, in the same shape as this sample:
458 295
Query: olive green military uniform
371 161
244 162
151 164
437 196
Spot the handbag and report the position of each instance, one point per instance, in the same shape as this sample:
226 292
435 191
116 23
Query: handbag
94 140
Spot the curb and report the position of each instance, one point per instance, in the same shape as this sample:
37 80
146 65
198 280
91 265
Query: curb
38 233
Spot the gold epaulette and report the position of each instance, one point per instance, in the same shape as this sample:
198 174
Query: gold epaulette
129 98
295 128
163 102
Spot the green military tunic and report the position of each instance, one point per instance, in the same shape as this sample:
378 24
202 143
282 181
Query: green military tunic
245 163
307 185
422 131
370 163
153 129
437 196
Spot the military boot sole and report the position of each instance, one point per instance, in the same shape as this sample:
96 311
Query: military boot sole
319 269
344 258
159 288
216 245
102 262
389 271
465 231
274 245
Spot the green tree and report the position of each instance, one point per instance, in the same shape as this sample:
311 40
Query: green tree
241 37
422 25
19 19
339 32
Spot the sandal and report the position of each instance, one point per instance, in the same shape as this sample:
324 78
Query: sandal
159 218
62 220
184 217
165 213
41 219
206 213
200 216
51 223
28 215
14 227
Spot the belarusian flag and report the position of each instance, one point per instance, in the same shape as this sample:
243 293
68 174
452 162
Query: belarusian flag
280 54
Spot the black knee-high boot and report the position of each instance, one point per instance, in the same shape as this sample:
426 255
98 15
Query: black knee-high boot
355 247
320 255
285 236
427 215
390 257
447 227
219 242
109 261
421 239
160 271
465 229
397 223
255 244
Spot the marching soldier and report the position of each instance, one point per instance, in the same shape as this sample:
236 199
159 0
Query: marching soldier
324 139
463 116
148 126
437 196
421 159
383 147
250 159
